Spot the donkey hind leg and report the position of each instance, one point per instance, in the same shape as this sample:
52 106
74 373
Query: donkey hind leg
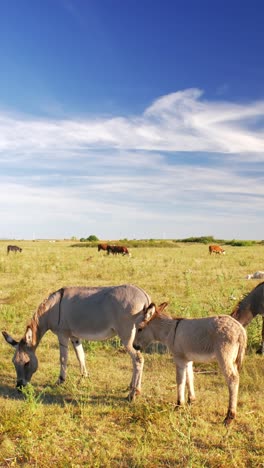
63 342
78 348
230 371
190 384
260 350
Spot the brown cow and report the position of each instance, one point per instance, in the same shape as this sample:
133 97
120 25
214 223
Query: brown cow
216 249
102 247
117 249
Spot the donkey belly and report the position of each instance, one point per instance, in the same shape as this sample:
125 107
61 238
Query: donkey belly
195 356
100 313
89 316
201 357
90 326
93 335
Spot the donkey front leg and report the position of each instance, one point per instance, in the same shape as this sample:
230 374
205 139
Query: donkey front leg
78 348
63 342
261 348
138 364
127 338
190 384
181 382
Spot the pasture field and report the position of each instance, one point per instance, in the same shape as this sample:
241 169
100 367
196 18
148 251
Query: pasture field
88 422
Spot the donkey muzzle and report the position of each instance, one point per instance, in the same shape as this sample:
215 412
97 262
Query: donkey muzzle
20 384
137 347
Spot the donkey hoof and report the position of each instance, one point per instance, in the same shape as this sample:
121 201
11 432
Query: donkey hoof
132 394
178 406
227 422
190 401
228 419
60 380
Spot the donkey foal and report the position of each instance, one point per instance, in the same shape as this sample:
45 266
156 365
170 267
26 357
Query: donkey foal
219 338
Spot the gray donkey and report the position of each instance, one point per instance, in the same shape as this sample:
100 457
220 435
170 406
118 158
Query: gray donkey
249 307
219 338
76 313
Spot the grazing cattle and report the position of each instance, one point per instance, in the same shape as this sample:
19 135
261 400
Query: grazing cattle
216 249
249 307
102 247
218 338
117 249
13 248
110 249
75 313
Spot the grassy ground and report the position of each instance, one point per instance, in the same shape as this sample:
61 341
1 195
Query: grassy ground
88 422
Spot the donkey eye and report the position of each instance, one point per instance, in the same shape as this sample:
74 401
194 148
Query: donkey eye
139 330
26 364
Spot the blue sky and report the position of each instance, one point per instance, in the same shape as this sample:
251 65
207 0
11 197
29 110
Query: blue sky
131 119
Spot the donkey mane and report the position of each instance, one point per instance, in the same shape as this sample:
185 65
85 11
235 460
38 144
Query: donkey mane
236 308
162 315
45 305
41 310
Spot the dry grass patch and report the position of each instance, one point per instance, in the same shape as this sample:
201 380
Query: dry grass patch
88 422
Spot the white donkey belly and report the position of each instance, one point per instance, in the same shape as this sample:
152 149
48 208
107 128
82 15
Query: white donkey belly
195 356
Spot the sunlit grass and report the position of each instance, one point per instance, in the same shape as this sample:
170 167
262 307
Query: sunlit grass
88 422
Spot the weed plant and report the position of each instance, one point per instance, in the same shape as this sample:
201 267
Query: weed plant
88 422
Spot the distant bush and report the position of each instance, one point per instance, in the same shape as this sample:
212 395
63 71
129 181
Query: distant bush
91 238
240 243
130 243
201 240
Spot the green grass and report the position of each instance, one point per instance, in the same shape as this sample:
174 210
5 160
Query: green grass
88 422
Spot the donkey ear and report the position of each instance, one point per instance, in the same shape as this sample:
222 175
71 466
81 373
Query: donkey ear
9 339
161 307
29 337
150 311
139 317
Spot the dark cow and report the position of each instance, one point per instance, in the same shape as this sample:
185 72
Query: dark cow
216 249
117 249
13 248
111 249
102 247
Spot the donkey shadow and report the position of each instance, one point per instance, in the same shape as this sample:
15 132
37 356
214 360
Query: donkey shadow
46 396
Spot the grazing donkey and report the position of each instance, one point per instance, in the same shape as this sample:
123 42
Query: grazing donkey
249 307
91 313
13 248
219 338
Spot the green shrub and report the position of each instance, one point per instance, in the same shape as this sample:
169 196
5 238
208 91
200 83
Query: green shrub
240 243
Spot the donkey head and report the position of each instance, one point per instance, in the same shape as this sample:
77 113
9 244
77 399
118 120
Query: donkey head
25 359
145 332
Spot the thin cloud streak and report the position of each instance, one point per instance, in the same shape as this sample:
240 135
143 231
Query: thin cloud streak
185 166
181 121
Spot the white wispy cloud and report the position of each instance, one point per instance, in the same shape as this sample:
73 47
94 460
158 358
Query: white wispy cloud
181 121
184 160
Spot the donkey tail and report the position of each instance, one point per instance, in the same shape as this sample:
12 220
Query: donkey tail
242 342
